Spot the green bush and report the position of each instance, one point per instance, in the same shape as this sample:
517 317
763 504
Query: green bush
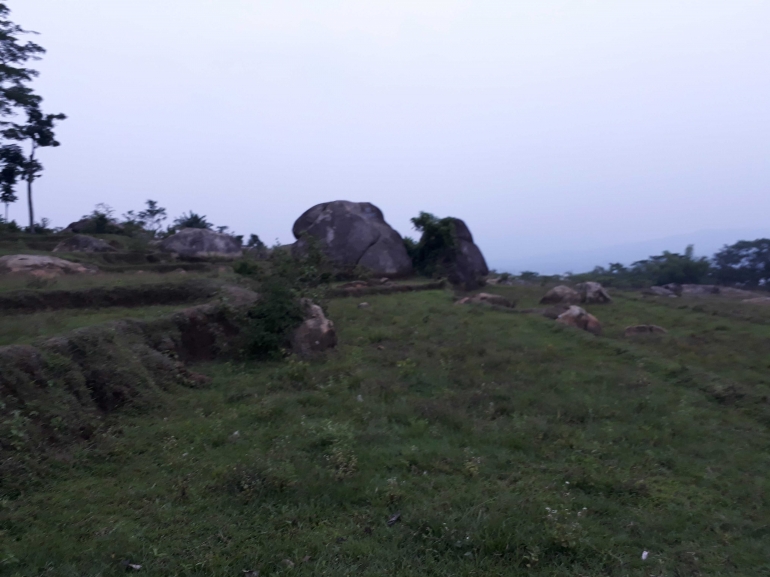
272 319
437 247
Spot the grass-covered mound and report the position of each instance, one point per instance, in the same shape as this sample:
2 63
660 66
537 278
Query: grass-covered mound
494 443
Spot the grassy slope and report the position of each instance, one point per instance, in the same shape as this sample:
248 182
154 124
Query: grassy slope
509 445
25 328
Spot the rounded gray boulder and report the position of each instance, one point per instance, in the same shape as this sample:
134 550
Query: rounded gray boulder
201 243
353 234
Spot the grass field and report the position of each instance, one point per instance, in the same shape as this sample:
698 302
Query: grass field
495 443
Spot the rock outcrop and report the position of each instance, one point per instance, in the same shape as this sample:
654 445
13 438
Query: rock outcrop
42 266
644 330
561 295
353 234
579 318
659 291
316 333
468 267
201 243
592 293
486 298
83 243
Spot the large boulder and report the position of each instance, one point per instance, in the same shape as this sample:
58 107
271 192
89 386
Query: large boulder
83 243
592 293
316 333
468 266
353 234
579 318
561 295
202 243
41 266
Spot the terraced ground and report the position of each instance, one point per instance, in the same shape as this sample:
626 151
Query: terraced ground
436 439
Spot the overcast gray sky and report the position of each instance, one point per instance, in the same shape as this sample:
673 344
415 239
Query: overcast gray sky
549 126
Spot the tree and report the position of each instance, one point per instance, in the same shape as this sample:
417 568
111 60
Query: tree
12 158
14 75
153 216
38 132
192 220
746 263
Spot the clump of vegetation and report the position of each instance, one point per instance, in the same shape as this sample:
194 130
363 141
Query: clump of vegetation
192 220
745 263
437 245
669 267
272 319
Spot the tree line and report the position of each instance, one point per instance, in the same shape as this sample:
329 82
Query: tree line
743 264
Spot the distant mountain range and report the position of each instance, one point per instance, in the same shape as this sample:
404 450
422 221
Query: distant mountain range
706 243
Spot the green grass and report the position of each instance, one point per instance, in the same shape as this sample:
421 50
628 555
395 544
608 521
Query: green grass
25 328
84 281
508 444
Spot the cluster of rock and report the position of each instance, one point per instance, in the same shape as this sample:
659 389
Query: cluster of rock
583 293
678 290
355 234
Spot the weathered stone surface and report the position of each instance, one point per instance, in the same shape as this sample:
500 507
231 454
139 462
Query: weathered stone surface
41 266
316 333
560 295
644 330
579 318
201 243
469 267
592 293
353 234
486 298
659 291
554 311
83 243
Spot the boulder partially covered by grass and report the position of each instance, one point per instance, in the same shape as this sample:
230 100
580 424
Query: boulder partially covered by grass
561 295
487 298
83 243
579 318
316 333
592 293
42 266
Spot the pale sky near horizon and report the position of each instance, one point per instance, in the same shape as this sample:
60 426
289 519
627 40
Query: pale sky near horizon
547 126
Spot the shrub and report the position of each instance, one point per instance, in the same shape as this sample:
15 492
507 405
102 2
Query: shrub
437 246
272 319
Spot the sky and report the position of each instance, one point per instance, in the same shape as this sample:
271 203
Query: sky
553 128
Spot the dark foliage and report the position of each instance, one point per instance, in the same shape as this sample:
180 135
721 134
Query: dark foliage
192 220
272 319
669 267
436 247
745 263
